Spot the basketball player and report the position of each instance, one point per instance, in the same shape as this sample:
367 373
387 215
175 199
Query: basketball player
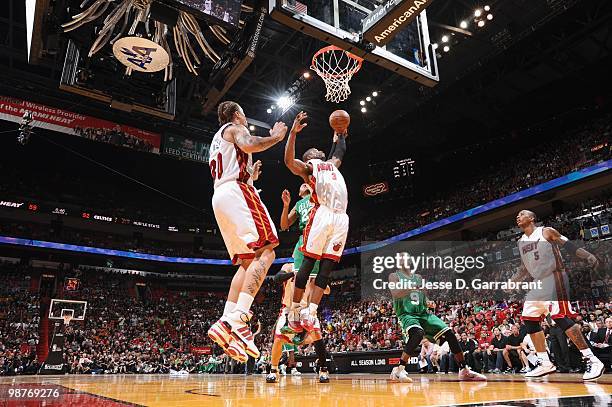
245 224
541 259
417 323
284 336
326 232
300 212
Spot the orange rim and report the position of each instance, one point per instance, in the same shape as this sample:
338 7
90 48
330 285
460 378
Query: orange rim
329 48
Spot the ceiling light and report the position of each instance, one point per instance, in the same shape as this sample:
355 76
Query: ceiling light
306 75
374 93
478 12
435 45
463 24
284 102
363 110
487 8
362 102
489 16
269 111
445 38
368 99
252 128
481 23
446 48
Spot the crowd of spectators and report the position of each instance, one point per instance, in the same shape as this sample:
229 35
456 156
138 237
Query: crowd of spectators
116 137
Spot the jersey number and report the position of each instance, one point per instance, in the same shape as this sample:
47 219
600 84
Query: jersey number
536 255
216 167
414 298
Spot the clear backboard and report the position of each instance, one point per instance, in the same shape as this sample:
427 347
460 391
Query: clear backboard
59 308
339 22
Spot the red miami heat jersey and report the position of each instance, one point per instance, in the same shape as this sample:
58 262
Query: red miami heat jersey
328 185
227 161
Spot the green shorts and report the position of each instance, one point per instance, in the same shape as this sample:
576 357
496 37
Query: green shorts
288 347
433 326
298 258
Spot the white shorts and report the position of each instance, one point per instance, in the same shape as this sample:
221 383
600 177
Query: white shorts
325 234
537 310
243 220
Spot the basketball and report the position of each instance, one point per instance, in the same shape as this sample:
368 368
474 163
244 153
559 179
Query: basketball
339 120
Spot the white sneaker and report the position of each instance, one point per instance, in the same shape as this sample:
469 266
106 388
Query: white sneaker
525 370
467 374
283 370
240 330
323 376
594 369
220 333
295 372
543 368
271 377
400 375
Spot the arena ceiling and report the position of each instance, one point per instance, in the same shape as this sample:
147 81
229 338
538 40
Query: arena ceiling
548 48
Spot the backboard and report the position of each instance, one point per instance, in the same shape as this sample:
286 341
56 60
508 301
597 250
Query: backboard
339 22
59 308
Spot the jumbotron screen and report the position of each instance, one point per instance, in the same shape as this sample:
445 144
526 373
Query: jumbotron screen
224 10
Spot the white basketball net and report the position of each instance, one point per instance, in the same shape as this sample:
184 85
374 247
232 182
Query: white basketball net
336 67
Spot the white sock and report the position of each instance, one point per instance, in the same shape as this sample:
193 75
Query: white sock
244 303
543 356
313 308
229 307
587 353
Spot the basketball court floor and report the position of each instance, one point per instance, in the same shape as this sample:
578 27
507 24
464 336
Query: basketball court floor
356 390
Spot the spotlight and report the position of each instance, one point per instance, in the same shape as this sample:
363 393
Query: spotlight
374 93
446 48
252 128
368 99
478 13
284 102
362 102
435 45
487 8
273 107
445 38
489 16
481 23
363 110
269 111
306 75
463 24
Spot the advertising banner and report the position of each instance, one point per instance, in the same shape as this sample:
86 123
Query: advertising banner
63 121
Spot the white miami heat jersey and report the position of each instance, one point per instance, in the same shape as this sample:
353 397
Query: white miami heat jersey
227 161
328 185
540 257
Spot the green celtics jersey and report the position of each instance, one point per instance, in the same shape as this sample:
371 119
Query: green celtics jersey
413 303
302 209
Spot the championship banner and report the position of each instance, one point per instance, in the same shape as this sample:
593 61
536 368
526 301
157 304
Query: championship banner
63 121
181 147
388 19
377 188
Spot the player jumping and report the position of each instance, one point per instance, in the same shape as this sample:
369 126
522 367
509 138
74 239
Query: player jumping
245 224
327 229
286 337
541 259
417 322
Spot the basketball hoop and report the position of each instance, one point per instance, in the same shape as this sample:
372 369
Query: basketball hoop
336 67
67 318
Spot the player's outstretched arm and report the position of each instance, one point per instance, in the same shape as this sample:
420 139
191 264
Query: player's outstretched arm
288 218
297 167
240 136
338 149
553 236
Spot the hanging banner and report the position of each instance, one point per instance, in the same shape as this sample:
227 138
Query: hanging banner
63 121
181 147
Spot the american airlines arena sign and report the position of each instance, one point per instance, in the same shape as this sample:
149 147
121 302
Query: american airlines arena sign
389 18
